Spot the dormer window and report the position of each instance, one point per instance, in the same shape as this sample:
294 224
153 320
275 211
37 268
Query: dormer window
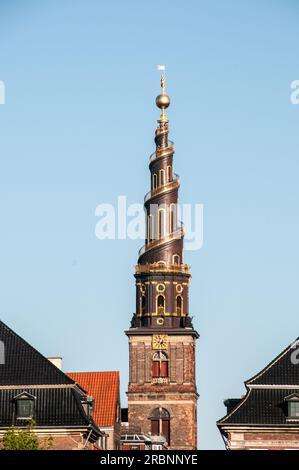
292 406
24 403
294 409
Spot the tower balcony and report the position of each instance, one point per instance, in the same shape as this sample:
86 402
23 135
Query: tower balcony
162 152
176 235
162 267
174 184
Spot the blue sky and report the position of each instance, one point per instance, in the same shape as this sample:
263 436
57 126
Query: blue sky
77 129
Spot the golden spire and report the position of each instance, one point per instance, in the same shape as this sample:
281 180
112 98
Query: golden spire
163 100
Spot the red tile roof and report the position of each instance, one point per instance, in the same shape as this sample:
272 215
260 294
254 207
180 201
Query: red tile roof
104 388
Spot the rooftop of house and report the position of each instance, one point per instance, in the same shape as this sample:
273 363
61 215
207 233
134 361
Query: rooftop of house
268 392
24 370
104 388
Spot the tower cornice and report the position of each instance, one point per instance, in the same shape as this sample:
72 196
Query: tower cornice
167 331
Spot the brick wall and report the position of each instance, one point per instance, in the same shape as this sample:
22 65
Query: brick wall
178 397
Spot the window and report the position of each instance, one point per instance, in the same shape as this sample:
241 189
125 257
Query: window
161 304
142 305
293 409
161 263
179 305
162 177
171 229
161 223
160 423
179 288
24 406
150 228
169 173
143 288
160 287
154 181
25 409
176 259
160 365
172 218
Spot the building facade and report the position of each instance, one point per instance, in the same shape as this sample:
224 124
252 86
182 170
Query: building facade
267 417
162 395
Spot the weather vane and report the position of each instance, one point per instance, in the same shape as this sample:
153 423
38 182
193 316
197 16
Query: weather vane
161 67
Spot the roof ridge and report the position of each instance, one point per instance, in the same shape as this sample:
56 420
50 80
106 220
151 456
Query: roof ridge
40 386
95 372
270 364
50 365
272 386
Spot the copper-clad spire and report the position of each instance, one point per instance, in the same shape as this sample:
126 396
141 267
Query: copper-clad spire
162 387
164 233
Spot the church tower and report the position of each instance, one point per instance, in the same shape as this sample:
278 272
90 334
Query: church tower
162 396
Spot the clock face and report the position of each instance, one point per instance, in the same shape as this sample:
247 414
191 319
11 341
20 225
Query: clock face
159 341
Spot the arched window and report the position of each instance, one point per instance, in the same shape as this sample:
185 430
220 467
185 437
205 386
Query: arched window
179 304
161 304
176 259
160 365
149 228
154 181
161 263
142 304
169 176
161 223
162 177
160 423
172 218
171 229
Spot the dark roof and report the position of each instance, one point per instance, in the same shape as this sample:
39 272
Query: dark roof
265 400
24 370
24 365
261 406
283 370
53 407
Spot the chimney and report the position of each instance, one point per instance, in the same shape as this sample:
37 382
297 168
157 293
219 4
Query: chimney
57 361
